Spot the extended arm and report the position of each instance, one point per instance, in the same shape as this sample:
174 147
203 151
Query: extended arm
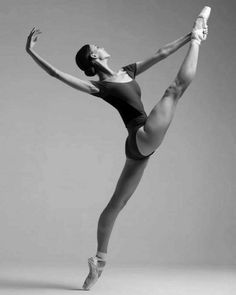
70 80
42 63
162 53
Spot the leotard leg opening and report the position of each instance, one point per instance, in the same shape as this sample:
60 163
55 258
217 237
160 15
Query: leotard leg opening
131 148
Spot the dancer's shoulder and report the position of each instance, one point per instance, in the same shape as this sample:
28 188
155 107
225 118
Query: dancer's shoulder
130 69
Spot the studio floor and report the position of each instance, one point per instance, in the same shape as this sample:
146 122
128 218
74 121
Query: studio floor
118 280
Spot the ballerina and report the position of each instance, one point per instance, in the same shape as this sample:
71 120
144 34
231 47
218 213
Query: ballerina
145 132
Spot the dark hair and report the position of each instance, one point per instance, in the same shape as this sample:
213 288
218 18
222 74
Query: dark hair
84 60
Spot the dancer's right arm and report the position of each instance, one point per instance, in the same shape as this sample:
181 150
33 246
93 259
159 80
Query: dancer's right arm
70 80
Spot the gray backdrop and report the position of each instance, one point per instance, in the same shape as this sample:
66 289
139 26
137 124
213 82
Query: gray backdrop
62 151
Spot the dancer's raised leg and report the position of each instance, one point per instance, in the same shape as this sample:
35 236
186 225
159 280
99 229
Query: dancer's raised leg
150 136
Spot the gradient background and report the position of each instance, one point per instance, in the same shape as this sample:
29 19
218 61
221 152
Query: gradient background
62 151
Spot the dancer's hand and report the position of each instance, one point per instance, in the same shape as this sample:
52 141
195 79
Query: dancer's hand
32 39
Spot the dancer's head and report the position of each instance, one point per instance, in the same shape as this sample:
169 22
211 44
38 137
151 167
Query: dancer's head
90 59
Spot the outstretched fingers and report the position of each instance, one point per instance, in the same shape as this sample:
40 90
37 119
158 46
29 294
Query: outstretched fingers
34 32
32 38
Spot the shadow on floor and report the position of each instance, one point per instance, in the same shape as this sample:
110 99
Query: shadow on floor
11 283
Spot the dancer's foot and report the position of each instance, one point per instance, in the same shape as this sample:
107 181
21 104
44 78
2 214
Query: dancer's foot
96 266
200 28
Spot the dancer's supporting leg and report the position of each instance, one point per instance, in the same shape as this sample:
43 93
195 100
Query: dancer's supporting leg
127 184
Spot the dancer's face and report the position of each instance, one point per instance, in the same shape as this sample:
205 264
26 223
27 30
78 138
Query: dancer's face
99 52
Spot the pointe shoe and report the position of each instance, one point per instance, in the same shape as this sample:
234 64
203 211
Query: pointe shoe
200 28
96 266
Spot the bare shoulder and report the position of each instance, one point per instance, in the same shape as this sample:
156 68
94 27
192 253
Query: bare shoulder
94 86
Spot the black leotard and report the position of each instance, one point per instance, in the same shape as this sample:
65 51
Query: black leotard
126 98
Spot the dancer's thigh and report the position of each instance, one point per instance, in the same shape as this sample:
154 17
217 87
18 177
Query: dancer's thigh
128 181
150 136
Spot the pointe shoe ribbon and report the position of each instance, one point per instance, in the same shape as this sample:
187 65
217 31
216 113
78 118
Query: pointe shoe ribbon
96 267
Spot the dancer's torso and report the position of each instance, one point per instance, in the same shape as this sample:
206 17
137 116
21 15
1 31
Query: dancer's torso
125 97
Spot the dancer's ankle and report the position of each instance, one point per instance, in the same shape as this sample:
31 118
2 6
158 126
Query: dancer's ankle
195 41
101 255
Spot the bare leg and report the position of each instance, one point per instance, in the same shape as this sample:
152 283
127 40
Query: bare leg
150 136
127 184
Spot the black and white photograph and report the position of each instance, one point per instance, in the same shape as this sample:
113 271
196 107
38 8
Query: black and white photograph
118 147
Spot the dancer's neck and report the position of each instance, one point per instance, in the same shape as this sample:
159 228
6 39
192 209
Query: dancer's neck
105 72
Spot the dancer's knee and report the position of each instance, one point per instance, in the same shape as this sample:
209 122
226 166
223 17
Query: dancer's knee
177 88
117 203
108 216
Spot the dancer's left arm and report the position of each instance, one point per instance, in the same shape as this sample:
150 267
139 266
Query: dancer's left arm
162 53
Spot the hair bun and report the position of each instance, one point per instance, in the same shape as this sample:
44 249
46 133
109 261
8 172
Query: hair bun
90 72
